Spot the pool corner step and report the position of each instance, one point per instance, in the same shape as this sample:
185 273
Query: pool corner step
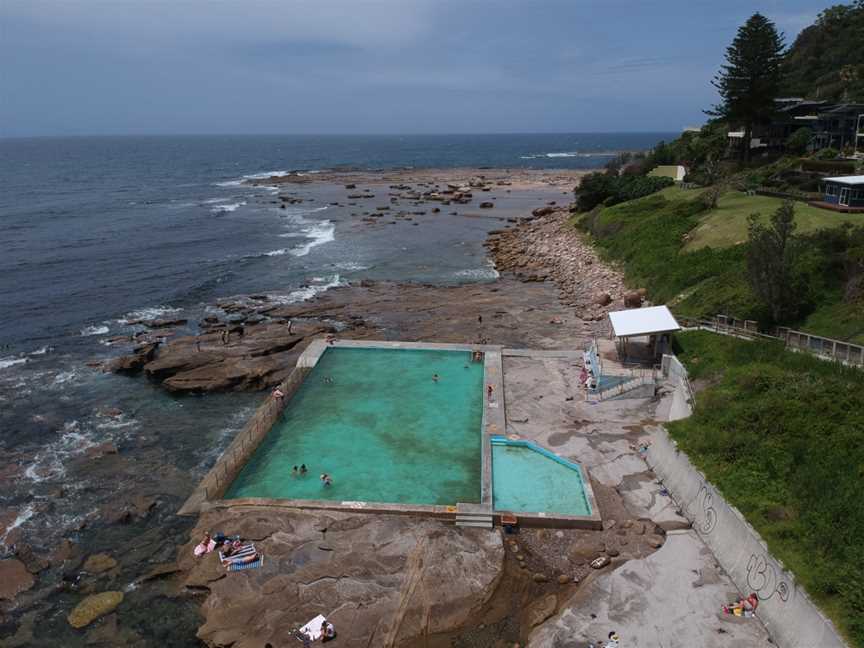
477 521
473 515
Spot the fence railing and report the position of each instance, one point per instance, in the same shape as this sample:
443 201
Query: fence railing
817 345
839 350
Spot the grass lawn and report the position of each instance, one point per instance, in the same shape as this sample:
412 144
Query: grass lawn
727 224
780 434
840 320
650 239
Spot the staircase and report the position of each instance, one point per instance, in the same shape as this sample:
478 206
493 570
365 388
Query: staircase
624 387
473 515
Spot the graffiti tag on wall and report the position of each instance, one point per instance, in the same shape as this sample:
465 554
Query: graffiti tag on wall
762 579
707 513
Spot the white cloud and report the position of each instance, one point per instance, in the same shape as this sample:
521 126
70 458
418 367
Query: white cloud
358 22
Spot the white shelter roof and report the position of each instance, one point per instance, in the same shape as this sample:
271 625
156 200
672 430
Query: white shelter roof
850 180
643 321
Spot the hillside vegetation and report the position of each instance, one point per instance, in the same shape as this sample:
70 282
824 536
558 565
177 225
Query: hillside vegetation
688 256
826 61
779 434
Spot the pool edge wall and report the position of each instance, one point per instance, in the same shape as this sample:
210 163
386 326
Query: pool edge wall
209 492
214 484
554 520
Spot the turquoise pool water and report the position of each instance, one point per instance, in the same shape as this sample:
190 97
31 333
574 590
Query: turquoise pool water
380 426
525 480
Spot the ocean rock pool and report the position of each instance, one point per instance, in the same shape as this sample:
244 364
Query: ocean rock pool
376 421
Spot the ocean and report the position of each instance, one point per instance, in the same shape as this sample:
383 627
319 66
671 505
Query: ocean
97 231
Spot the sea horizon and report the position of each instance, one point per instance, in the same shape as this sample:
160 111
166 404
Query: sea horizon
338 134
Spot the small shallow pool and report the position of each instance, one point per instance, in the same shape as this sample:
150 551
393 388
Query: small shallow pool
376 421
529 479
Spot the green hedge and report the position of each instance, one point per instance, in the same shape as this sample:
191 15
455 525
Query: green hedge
828 166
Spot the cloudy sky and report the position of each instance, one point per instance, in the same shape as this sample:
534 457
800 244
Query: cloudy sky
366 66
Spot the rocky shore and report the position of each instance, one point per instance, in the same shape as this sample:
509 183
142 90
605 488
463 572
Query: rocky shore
426 179
546 247
251 342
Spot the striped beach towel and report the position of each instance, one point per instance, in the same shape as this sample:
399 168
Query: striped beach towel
250 565
245 550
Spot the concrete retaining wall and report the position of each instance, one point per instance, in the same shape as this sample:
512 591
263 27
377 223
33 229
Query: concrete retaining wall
682 398
785 609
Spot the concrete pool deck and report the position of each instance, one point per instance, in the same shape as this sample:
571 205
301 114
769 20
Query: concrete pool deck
674 595
211 490
679 588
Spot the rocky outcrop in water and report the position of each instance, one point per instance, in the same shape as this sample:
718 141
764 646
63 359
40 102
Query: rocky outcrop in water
250 345
244 358
93 607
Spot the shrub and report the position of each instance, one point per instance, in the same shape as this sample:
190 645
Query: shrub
608 190
798 141
829 166
827 154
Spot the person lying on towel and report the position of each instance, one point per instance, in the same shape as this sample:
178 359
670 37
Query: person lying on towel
231 547
241 560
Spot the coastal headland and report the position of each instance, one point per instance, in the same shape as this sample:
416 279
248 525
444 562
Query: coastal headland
384 580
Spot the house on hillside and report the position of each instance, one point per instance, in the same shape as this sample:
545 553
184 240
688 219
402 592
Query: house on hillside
834 125
674 171
840 126
792 115
842 193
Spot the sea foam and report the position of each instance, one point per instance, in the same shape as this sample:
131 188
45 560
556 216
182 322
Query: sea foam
318 234
94 330
151 312
321 284
11 362
219 209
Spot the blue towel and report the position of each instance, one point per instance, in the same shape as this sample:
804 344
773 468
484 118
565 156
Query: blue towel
251 565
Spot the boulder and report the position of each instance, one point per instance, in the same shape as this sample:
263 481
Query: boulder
133 363
93 607
14 578
632 299
542 211
99 563
162 323
603 299
32 562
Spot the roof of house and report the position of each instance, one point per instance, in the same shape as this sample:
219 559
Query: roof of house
674 171
843 108
850 180
805 105
643 321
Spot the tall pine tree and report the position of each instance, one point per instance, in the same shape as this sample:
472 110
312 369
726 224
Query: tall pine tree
751 78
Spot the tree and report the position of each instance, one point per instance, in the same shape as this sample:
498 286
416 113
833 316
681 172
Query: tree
798 141
773 255
711 196
751 78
